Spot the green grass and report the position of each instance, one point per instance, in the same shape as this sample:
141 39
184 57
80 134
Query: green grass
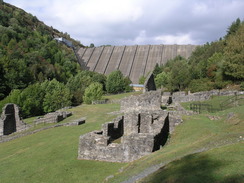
197 133
224 164
51 155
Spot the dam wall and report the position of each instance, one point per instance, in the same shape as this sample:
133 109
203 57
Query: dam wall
133 61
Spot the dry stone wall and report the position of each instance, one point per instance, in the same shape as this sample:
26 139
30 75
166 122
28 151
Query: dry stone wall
10 121
53 117
145 102
178 97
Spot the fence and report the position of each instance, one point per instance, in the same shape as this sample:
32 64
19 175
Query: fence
233 101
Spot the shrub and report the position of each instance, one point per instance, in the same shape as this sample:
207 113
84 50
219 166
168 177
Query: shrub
242 86
197 85
93 92
57 96
115 82
127 83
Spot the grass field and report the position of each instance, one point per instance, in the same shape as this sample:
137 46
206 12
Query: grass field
51 155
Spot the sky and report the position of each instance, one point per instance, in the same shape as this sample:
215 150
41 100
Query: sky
137 22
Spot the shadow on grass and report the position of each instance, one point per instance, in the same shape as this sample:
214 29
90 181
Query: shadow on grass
192 169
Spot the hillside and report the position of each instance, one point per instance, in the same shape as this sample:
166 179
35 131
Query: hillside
28 53
199 150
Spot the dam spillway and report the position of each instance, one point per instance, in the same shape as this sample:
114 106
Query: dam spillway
133 61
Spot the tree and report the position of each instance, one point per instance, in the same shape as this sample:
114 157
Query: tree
127 83
2 83
92 45
115 82
142 80
93 92
32 100
162 79
234 27
78 83
179 75
57 96
157 70
234 55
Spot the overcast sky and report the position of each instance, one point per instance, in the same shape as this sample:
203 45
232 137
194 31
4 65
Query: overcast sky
131 22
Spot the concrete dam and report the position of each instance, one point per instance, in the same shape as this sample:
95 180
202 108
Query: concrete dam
133 61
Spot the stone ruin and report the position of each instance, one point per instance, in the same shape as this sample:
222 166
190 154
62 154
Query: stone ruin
150 101
53 117
143 129
10 121
178 97
149 84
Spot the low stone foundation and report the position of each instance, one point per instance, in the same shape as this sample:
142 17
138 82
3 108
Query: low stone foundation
178 97
53 117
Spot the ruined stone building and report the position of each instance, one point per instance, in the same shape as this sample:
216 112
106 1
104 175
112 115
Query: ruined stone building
10 121
143 129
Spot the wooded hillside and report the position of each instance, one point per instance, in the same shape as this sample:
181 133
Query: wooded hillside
28 53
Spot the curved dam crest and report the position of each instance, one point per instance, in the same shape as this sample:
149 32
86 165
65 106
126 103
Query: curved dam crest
133 61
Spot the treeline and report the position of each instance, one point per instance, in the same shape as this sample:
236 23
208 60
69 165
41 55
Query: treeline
211 66
51 95
28 53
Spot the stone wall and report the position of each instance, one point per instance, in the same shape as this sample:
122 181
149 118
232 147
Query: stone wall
178 97
76 122
53 117
149 84
145 102
10 121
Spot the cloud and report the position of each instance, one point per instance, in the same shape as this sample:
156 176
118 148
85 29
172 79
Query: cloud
179 39
128 22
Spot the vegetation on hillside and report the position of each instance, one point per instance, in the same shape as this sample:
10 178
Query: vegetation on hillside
37 73
29 53
211 66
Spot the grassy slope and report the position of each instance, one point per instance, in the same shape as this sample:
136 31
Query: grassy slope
223 164
50 155
198 133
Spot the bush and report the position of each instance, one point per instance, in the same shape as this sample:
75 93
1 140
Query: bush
57 96
77 84
93 92
242 86
162 79
142 80
197 85
115 82
31 100
127 83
